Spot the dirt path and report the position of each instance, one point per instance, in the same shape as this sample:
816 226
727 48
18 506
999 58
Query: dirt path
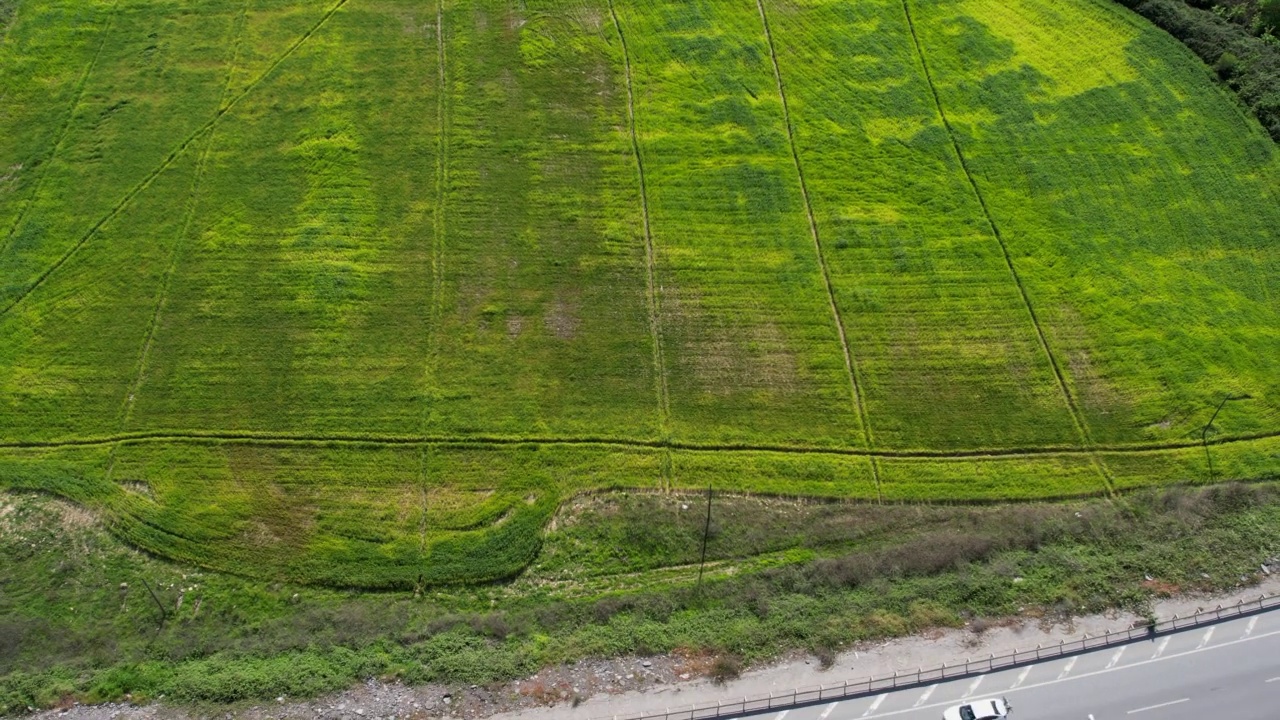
630 685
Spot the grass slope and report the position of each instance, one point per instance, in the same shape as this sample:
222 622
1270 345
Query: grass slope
359 293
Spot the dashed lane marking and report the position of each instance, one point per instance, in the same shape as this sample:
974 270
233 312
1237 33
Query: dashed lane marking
973 686
926 695
1248 629
827 712
1274 679
1116 658
1047 683
1207 635
1153 707
1160 648
874 704
1022 676
1070 664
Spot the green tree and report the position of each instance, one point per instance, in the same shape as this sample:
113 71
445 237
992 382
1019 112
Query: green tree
1269 13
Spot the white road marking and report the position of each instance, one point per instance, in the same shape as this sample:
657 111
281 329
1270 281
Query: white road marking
1116 658
827 712
926 695
1274 679
1160 648
1153 707
972 686
1140 663
874 704
1070 664
1208 634
1021 677
782 715
1248 629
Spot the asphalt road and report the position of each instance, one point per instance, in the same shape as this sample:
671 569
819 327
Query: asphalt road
1229 671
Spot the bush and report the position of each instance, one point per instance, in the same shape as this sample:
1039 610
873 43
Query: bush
1227 66
725 669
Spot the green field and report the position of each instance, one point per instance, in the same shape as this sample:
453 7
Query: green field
360 293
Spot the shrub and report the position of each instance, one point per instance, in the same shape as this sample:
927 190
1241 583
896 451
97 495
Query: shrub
725 669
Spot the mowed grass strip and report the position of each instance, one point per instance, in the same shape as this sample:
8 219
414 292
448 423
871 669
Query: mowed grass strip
157 69
48 58
948 351
754 354
68 341
301 299
544 325
1138 202
70 352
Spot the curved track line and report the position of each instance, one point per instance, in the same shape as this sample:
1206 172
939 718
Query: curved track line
169 159
1076 415
62 131
651 285
850 362
372 440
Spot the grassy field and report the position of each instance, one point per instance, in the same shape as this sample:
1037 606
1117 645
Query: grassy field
359 293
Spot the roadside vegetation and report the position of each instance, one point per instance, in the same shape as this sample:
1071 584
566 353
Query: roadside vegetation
85 618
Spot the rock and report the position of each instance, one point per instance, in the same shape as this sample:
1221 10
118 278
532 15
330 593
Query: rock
1204 575
1266 569
360 712
646 663
685 676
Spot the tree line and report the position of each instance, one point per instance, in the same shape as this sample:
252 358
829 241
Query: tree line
1239 39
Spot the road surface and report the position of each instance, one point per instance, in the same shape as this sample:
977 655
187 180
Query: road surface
1225 671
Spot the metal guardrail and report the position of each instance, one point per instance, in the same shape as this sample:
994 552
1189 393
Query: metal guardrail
902 681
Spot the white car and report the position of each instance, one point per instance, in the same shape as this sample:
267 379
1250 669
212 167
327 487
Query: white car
989 709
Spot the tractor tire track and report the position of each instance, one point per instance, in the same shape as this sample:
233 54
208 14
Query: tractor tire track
436 311
850 362
1077 417
173 155
188 219
43 168
382 441
650 255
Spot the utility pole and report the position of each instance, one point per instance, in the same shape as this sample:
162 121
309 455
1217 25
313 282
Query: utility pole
1204 432
706 531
